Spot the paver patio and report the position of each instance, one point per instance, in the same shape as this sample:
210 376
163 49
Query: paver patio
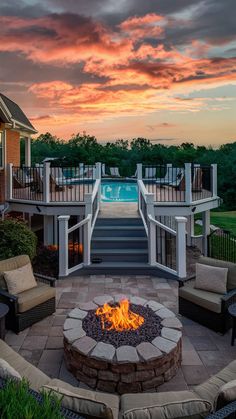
204 351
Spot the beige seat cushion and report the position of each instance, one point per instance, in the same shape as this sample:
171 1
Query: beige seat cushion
211 278
168 405
226 395
231 281
35 296
11 264
87 402
7 371
210 389
35 377
209 300
19 280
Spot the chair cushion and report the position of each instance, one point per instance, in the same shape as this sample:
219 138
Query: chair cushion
19 280
227 394
231 281
11 264
87 402
35 377
35 296
206 299
7 371
211 388
211 278
168 405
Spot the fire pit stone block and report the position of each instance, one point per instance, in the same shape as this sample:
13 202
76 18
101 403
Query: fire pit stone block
126 368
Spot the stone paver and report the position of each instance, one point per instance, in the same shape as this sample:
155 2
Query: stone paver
154 305
103 351
90 305
138 300
148 351
78 314
164 313
84 345
163 344
127 354
74 334
72 324
172 322
103 299
171 334
204 351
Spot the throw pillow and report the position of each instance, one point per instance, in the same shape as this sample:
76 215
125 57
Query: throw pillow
20 279
211 278
227 394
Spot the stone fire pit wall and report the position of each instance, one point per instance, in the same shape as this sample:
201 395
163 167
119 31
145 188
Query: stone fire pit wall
126 369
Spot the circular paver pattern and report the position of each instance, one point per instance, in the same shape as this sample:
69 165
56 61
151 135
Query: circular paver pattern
127 368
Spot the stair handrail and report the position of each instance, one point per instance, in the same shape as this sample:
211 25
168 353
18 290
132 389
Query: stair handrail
161 225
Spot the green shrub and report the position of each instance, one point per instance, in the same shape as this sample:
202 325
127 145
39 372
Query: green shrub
16 239
17 402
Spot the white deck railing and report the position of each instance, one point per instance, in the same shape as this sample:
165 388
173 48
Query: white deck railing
75 242
167 247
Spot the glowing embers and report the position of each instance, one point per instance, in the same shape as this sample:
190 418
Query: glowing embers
119 317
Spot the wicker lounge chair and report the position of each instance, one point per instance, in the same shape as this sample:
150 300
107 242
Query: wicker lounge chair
209 308
27 307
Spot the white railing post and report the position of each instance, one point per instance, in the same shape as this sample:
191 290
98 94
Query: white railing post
46 182
10 180
63 244
188 183
27 151
181 246
206 231
214 179
139 171
87 242
88 204
98 170
151 229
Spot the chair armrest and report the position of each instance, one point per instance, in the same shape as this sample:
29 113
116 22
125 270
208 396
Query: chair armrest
225 412
5 294
45 279
229 298
10 300
183 280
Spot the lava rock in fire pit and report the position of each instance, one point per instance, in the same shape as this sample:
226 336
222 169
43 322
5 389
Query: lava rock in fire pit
150 328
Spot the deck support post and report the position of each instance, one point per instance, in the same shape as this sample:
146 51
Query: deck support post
190 229
48 230
63 244
188 183
181 246
206 231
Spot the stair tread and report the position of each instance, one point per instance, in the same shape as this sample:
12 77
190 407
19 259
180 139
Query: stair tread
125 238
116 227
120 251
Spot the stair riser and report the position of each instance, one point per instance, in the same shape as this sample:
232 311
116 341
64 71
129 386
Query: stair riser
95 269
124 244
120 258
118 233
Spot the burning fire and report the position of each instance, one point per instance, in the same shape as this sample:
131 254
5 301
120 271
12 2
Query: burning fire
119 318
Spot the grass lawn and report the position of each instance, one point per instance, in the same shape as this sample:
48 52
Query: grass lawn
225 220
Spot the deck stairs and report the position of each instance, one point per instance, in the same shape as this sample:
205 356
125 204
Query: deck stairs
120 246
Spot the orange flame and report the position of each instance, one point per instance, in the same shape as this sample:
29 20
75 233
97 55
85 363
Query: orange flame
119 318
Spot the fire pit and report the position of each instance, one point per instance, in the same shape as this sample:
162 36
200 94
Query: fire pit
120 345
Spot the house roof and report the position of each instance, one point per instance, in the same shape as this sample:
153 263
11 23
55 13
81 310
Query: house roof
11 112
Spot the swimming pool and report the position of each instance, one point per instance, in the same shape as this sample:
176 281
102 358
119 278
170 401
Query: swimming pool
119 191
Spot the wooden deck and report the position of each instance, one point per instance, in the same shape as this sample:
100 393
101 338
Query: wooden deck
171 194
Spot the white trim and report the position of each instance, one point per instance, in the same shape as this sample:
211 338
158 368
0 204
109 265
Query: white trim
5 109
32 130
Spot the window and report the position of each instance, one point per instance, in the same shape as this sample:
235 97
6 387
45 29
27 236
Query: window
1 149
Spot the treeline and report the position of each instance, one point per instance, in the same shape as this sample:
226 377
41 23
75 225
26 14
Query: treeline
125 155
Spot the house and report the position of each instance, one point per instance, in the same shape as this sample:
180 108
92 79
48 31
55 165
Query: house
67 200
14 126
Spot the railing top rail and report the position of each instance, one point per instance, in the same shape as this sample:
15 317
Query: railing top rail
143 189
163 226
80 224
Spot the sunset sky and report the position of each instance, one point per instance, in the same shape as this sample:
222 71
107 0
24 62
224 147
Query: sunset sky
161 69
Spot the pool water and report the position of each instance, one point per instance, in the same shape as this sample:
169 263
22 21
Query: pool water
119 191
